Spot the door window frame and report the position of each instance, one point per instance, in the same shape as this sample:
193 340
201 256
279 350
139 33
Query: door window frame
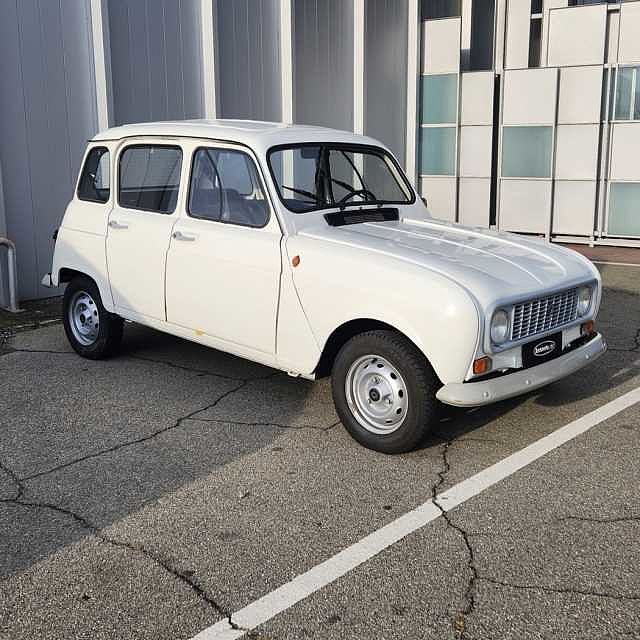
149 143
222 146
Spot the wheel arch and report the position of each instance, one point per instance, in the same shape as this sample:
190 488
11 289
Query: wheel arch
67 274
347 330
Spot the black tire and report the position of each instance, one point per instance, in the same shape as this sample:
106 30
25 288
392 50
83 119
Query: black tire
419 378
109 326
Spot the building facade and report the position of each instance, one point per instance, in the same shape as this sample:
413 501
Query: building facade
523 114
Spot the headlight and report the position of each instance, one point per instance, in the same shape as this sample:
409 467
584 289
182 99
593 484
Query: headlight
584 300
499 326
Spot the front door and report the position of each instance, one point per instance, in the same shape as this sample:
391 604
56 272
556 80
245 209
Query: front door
223 263
140 227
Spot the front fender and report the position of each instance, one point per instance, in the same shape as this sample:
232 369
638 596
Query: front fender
337 284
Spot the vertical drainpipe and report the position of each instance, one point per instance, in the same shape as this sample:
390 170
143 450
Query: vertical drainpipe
102 63
287 77
210 57
358 66
413 79
287 62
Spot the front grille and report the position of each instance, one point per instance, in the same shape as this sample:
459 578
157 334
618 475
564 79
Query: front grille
542 314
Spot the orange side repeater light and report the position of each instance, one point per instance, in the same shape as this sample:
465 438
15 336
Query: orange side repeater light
296 261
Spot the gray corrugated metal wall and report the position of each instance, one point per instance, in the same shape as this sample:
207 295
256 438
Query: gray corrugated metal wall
386 73
155 60
47 112
323 67
249 75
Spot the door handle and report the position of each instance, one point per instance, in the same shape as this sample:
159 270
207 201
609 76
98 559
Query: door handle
185 237
114 224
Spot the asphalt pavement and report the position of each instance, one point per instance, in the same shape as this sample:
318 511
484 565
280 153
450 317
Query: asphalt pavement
156 493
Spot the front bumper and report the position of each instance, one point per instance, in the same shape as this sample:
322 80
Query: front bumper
473 394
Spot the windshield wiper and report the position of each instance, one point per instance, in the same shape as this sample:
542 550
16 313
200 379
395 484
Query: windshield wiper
302 192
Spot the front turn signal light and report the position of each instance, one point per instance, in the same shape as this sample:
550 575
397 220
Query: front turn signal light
482 365
588 328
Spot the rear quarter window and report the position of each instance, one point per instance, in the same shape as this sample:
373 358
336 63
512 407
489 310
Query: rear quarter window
94 185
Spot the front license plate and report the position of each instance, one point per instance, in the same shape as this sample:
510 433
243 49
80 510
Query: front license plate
542 350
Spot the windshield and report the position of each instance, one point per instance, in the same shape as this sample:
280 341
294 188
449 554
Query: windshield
315 176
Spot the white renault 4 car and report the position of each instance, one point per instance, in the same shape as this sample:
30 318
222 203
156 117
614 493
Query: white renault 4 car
306 249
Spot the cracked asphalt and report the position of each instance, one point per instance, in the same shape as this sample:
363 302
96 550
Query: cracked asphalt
150 495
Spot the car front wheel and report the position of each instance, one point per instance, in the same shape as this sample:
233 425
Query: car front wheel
92 331
384 391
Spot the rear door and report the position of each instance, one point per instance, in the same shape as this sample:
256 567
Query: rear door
140 223
223 263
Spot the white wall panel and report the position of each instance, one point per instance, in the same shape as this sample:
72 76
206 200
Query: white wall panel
573 207
518 25
441 46
530 96
475 151
525 205
323 63
576 151
475 195
577 36
624 151
580 94
477 98
441 196
249 60
629 32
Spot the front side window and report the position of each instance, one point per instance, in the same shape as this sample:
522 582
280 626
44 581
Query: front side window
150 177
225 187
310 177
94 180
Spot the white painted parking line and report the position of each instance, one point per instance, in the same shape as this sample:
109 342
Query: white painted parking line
284 597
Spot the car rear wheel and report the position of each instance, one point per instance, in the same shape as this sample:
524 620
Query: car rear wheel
92 331
384 391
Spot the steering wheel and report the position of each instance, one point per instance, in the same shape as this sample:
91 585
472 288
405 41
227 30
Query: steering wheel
357 192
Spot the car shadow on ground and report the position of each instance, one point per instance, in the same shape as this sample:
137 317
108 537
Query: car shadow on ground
160 415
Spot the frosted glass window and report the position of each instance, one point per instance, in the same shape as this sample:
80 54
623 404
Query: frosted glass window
624 209
440 99
623 93
526 152
438 151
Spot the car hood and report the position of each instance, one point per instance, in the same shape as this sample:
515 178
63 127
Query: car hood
493 266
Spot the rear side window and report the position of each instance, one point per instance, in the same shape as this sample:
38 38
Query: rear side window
94 180
149 177
225 187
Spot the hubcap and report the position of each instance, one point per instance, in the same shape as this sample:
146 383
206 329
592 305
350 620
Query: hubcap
83 318
376 394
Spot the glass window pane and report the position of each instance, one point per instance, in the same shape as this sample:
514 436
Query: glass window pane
438 151
225 187
94 181
440 99
623 95
150 178
526 152
311 177
624 209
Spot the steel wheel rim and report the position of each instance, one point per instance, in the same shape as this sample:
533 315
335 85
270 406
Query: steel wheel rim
84 318
376 394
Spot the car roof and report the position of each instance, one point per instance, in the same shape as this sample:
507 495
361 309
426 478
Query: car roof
255 134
